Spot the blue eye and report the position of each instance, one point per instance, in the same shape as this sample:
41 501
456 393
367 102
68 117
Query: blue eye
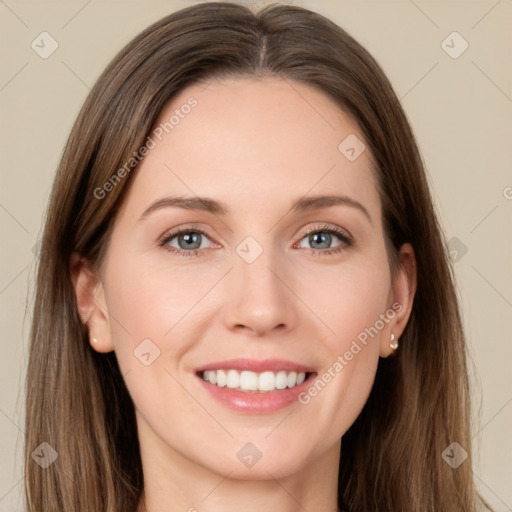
187 237
323 236
190 240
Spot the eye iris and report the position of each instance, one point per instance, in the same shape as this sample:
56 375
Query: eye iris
190 239
313 238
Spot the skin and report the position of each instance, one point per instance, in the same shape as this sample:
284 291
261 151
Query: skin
257 145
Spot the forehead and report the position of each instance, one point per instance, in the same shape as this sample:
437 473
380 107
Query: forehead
254 142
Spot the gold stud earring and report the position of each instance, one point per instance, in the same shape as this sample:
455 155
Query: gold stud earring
393 344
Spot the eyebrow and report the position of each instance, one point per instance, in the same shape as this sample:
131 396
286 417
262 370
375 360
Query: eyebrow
207 204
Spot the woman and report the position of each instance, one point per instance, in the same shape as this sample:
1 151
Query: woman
192 347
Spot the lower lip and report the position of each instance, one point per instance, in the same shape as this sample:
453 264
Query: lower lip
255 401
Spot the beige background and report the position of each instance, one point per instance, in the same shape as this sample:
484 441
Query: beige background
461 111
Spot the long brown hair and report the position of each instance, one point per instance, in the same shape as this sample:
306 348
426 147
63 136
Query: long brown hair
77 402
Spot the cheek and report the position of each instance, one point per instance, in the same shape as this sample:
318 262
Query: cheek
352 302
149 302
348 299
150 311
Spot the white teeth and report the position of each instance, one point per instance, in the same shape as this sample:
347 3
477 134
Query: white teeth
251 381
281 380
233 379
292 379
221 378
266 381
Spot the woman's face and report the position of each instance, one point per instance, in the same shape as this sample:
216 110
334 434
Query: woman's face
257 283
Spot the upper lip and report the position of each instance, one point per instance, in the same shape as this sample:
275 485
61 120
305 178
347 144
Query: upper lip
256 365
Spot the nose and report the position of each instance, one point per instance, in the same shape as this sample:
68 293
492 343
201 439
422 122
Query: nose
260 294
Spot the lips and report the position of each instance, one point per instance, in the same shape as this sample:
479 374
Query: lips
257 366
253 402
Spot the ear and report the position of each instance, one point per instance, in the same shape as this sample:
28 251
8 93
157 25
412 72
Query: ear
92 308
403 285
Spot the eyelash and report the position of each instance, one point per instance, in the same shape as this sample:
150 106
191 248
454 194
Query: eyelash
346 240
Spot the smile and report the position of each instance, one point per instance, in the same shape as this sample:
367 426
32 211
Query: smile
251 381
